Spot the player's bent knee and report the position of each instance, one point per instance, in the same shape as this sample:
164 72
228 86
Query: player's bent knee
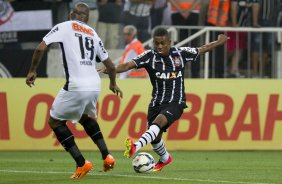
53 123
160 121
83 118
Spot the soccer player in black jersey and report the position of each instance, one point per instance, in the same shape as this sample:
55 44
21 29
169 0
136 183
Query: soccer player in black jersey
165 66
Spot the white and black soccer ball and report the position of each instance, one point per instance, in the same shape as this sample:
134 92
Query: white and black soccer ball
143 163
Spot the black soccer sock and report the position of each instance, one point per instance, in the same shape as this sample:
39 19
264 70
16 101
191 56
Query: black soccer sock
92 128
65 137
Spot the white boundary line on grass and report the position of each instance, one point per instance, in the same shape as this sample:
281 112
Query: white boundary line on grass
134 176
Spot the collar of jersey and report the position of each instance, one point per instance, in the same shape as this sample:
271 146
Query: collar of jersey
79 21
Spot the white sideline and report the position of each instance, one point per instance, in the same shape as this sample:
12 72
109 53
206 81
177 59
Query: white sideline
133 176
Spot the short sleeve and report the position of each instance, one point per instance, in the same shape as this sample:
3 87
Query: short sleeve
102 53
143 59
189 53
55 35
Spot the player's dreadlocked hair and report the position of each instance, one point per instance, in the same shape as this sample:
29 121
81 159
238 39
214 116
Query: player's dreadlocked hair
160 32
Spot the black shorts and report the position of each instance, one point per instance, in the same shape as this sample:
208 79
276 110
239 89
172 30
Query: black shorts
172 112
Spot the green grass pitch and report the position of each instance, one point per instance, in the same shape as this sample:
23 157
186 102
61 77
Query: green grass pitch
189 167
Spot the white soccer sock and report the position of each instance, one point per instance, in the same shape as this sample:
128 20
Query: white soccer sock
160 149
147 137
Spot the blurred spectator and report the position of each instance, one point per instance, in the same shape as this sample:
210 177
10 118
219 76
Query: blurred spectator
139 16
60 10
279 18
125 12
109 22
157 12
93 14
263 43
133 48
217 15
186 13
244 13
203 13
218 12
167 14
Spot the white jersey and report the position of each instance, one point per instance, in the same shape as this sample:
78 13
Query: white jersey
81 48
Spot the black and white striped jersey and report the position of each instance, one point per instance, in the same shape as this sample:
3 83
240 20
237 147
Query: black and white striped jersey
167 73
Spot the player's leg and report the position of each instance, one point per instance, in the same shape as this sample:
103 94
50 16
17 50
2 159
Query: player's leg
172 113
69 105
161 118
147 137
92 129
159 148
66 138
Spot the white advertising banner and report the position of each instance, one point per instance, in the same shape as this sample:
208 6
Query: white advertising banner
28 21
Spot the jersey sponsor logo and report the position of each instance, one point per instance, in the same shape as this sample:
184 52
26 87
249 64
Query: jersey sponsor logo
82 29
168 75
53 31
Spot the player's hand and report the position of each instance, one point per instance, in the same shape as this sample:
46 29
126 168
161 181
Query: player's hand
222 38
31 76
102 70
115 89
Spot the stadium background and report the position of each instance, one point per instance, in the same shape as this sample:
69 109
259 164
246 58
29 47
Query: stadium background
222 115
230 133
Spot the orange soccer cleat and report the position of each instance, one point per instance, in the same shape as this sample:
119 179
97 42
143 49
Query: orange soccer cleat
109 163
129 148
160 165
82 171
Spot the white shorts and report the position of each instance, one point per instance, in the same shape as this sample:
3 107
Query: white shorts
71 105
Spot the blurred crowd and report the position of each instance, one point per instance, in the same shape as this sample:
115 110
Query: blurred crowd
109 17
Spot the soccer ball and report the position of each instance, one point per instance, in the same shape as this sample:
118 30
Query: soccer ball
143 163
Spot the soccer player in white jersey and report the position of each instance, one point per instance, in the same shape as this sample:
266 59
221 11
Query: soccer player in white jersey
165 66
76 102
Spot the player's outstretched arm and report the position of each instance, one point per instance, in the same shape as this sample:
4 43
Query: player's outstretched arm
36 58
220 41
120 68
125 67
